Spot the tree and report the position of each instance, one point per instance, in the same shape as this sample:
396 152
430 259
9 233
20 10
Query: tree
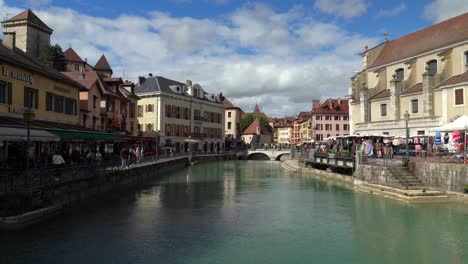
53 57
250 118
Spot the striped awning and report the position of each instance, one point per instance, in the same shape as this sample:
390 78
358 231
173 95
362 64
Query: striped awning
20 134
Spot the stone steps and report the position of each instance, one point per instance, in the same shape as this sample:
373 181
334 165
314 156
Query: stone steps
418 196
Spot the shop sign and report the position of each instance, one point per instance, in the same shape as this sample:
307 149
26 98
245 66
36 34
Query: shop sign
19 76
18 110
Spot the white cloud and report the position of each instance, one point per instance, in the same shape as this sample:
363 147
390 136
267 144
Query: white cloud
282 60
440 10
393 11
342 8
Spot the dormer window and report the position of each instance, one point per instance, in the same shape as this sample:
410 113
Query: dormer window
432 66
400 74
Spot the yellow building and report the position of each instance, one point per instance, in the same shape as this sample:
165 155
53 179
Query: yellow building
423 73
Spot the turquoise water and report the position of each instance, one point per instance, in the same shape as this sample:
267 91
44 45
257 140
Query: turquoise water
244 212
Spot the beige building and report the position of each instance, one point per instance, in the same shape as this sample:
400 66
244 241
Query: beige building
27 32
184 116
233 125
424 73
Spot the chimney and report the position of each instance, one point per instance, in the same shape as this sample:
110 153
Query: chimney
189 82
9 39
82 75
141 79
315 104
86 60
330 102
339 101
150 74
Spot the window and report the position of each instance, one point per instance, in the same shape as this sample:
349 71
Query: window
328 118
318 118
432 66
229 114
132 110
346 127
5 93
229 125
49 102
421 132
459 96
328 127
400 74
70 106
337 118
168 111
31 97
319 137
77 67
177 112
337 126
149 108
414 106
94 101
186 114
140 111
383 110
58 103
85 117
345 118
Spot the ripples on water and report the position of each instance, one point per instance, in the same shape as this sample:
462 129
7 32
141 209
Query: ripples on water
243 212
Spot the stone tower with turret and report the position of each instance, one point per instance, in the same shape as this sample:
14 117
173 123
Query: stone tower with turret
27 32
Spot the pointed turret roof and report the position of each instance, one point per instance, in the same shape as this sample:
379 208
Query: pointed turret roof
30 17
71 55
257 109
103 64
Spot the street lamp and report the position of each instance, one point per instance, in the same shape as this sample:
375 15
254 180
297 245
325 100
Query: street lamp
28 116
407 116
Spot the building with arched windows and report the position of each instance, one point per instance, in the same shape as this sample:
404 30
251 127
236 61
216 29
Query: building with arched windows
424 73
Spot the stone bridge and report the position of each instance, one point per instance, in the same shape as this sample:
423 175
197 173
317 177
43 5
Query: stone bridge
270 154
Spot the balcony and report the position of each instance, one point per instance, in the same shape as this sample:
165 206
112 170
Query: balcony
200 118
199 135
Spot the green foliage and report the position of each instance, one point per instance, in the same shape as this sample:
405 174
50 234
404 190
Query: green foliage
250 118
53 57
466 188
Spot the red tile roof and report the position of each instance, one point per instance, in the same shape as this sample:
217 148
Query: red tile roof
252 129
332 106
462 78
29 16
71 55
113 79
382 94
437 36
102 64
227 103
413 89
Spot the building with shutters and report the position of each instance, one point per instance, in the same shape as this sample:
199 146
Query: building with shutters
423 73
184 116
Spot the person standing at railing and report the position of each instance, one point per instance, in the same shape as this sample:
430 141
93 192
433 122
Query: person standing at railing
98 157
124 157
57 160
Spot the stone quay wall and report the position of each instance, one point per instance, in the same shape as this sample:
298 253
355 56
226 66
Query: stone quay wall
374 174
443 176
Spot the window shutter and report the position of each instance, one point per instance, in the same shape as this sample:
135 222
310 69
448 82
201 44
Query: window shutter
459 97
26 101
9 91
36 98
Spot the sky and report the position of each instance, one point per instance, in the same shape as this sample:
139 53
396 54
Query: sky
280 54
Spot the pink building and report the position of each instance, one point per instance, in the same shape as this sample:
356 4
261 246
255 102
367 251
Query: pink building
330 119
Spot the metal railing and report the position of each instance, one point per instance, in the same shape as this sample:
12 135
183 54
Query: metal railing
27 181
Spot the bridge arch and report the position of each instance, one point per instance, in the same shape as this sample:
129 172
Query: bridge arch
258 156
281 156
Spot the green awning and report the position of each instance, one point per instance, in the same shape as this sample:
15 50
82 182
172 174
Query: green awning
84 135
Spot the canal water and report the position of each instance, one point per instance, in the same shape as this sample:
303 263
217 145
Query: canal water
244 212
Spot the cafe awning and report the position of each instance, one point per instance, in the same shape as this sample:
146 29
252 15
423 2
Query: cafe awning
20 134
85 135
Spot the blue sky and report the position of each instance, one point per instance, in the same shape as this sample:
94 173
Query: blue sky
281 54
